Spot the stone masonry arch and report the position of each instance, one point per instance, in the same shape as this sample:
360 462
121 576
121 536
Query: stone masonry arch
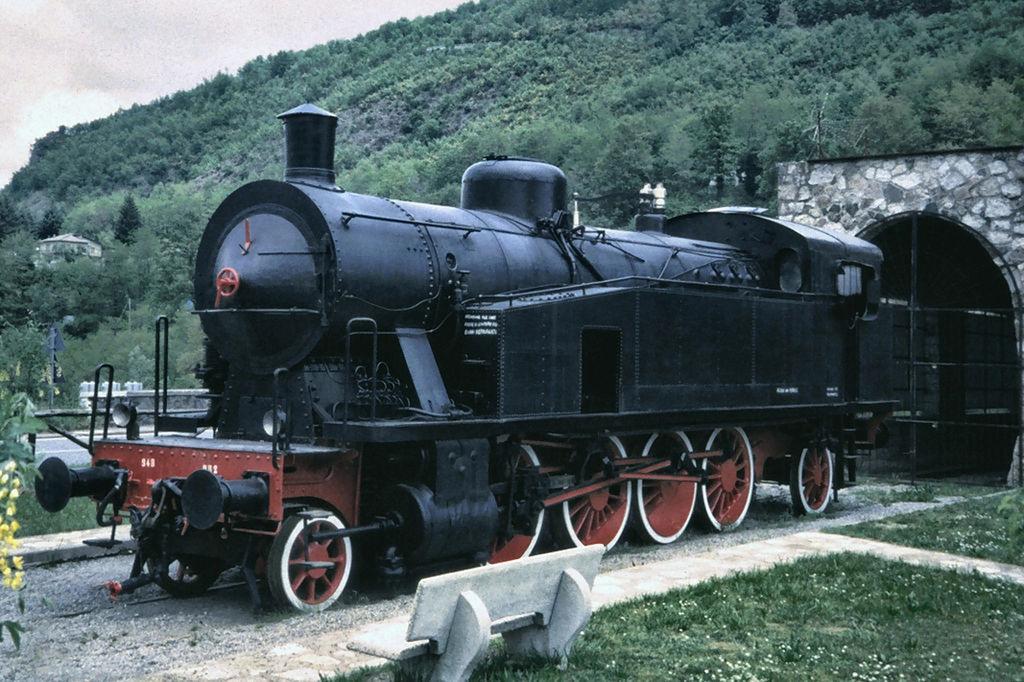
943 196
1013 275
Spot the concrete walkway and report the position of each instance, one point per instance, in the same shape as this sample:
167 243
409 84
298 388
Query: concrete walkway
310 657
48 549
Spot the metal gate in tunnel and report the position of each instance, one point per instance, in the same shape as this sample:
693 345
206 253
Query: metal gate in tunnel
957 370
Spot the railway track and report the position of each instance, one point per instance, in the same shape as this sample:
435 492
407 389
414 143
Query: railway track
139 601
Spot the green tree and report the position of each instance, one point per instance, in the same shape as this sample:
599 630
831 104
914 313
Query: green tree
172 272
12 218
1005 122
787 15
23 363
619 170
128 221
995 58
19 275
889 124
961 115
716 149
51 224
140 366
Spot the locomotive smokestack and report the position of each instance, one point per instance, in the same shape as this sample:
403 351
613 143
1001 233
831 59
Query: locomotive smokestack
309 144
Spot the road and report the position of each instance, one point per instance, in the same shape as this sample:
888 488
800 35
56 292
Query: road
58 446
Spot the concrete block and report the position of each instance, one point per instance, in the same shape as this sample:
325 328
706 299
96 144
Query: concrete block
572 609
36 550
508 589
387 640
467 642
539 604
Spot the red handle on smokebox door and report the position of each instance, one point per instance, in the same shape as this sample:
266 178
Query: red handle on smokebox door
227 284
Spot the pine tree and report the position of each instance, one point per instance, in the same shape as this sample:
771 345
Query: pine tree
51 224
128 221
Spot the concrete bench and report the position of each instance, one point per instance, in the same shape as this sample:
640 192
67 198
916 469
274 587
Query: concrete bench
539 605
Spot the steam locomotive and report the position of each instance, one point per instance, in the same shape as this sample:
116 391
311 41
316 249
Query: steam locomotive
420 386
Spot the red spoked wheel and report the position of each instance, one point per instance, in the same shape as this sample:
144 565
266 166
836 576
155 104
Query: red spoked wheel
306 573
664 508
598 518
518 546
810 481
729 489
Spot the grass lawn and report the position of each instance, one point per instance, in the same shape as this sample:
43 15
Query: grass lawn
78 515
891 492
840 617
972 528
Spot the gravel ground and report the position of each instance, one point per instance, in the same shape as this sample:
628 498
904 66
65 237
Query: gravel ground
76 632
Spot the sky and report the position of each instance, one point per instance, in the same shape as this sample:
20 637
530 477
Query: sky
70 61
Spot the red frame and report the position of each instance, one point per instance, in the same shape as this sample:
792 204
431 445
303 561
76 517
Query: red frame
330 480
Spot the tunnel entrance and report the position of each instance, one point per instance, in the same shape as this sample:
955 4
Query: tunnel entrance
957 366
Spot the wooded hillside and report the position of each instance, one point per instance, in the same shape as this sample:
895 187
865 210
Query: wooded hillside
705 96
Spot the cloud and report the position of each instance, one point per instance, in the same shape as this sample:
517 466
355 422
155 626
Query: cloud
71 61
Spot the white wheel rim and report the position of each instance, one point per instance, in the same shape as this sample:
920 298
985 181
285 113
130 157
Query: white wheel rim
283 573
641 509
531 454
750 492
800 482
567 517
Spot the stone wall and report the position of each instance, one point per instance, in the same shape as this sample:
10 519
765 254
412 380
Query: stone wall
178 400
981 188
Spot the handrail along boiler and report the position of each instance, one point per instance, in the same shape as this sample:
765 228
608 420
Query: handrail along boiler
423 385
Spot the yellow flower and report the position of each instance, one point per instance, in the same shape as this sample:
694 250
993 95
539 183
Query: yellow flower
11 509
16 483
10 465
5 568
18 581
7 581
15 494
15 527
4 478
19 562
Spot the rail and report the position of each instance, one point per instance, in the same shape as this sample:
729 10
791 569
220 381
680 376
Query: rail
468 229
95 402
47 414
262 311
276 436
349 333
651 281
161 333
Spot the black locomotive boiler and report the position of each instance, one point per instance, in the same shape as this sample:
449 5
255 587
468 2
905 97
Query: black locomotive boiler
423 385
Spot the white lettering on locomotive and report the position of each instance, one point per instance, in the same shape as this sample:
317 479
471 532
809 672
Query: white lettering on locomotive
481 325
